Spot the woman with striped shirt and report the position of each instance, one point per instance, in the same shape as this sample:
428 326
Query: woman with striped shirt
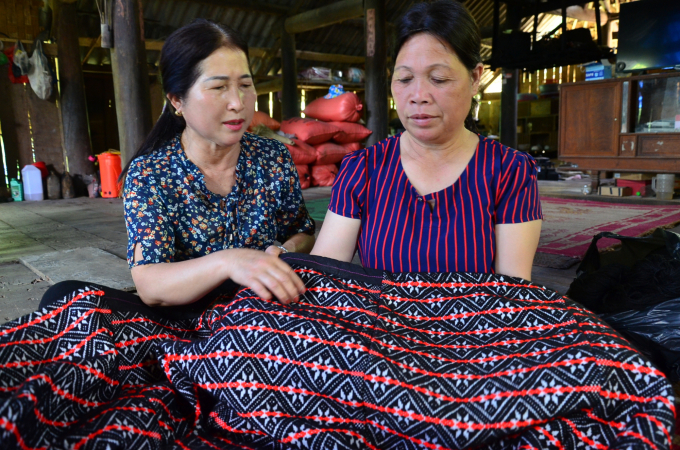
438 197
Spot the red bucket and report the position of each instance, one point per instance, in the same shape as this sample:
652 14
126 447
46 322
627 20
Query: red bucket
110 169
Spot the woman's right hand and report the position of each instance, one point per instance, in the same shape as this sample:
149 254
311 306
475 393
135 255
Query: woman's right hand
267 275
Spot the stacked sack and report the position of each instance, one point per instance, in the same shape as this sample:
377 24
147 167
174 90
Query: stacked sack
321 144
302 153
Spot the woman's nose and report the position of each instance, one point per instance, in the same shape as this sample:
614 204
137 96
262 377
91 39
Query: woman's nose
419 95
235 101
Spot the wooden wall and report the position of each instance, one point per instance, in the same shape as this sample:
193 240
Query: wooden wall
31 127
19 18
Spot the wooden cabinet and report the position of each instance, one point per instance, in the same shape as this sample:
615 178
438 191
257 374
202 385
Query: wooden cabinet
625 124
589 119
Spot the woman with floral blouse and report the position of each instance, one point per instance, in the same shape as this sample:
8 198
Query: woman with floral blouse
204 200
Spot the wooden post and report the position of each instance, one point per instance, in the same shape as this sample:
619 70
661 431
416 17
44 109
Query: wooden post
130 77
376 75
509 107
76 130
290 105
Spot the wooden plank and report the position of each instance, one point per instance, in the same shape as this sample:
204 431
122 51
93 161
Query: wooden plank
324 16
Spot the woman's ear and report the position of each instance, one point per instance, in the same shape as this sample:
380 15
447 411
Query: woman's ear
175 102
476 77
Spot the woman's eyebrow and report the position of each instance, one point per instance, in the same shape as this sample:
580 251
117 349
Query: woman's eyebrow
431 66
227 78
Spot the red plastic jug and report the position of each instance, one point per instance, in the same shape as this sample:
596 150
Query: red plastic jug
110 169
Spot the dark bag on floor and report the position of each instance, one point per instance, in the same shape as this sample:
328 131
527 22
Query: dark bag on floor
642 272
636 290
655 332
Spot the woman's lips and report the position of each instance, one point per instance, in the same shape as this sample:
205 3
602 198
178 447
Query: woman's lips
234 125
422 119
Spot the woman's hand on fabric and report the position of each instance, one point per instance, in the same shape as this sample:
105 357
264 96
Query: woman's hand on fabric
264 273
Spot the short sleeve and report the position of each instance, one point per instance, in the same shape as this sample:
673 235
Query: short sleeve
517 199
348 196
292 215
146 219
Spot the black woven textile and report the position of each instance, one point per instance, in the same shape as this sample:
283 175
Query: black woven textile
365 360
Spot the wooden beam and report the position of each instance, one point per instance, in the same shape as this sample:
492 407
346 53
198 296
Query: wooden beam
269 86
329 57
254 52
496 74
130 77
248 5
324 16
48 49
89 50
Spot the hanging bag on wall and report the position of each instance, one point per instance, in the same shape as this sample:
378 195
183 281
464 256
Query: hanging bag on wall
39 75
21 61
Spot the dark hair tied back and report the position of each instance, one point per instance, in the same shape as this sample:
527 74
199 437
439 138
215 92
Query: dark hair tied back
180 66
450 22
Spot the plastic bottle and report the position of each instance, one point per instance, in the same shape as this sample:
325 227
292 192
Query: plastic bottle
53 186
33 187
17 190
67 190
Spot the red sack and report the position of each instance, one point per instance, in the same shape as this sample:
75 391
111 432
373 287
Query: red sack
309 130
351 132
352 146
303 174
329 153
324 175
262 118
343 108
302 153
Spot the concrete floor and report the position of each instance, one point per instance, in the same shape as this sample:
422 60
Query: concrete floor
35 228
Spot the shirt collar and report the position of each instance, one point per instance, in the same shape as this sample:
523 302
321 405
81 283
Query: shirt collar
195 178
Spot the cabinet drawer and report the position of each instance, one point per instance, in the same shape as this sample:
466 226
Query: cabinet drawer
627 147
663 145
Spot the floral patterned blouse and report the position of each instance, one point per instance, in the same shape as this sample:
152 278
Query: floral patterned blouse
169 210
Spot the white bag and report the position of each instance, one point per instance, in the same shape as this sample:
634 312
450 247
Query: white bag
39 75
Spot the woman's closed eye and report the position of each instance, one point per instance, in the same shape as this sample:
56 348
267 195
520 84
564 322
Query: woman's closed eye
404 80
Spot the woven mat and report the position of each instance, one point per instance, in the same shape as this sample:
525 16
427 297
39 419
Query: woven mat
569 225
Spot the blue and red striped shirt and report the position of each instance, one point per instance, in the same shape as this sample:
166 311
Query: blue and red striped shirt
400 232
